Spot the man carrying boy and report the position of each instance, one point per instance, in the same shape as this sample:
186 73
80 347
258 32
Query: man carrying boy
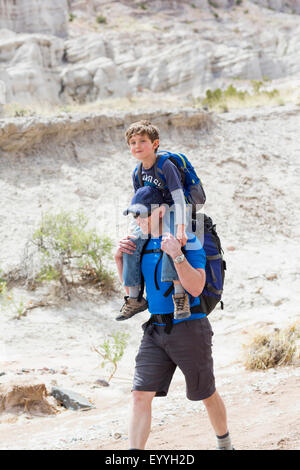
167 342
143 140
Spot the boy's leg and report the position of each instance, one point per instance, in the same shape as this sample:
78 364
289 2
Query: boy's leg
169 274
132 267
132 279
180 297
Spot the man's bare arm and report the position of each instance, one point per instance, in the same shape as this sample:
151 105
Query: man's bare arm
191 279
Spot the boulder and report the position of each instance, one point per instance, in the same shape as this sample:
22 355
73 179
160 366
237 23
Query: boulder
99 78
70 399
28 67
25 398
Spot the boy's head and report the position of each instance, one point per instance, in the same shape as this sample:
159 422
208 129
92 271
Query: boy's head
140 129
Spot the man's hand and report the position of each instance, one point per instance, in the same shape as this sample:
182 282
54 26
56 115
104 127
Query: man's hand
170 245
125 245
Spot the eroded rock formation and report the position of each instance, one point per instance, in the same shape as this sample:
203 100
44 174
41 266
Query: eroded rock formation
35 16
166 47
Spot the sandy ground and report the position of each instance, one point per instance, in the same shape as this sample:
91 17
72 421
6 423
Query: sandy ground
249 165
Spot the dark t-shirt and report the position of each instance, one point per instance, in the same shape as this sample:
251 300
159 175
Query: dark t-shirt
172 175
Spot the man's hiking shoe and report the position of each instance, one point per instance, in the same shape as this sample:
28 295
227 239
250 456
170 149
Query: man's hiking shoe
131 307
220 448
182 306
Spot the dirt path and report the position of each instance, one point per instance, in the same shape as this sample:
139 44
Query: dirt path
262 412
247 160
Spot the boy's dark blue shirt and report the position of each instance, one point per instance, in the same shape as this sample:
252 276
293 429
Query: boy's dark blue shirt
172 175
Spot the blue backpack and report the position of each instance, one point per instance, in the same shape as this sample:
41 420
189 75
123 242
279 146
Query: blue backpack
202 226
214 269
192 185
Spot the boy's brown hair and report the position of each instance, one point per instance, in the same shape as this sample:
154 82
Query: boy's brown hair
140 128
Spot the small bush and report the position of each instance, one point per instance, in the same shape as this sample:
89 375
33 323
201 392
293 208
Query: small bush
281 347
2 284
70 252
101 19
143 6
8 303
231 92
272 93
231 97
256 85
6 297
112 350
71 17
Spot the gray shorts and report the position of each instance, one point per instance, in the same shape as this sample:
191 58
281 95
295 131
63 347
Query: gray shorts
188 346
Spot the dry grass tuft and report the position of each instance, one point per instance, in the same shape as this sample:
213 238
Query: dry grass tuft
281 347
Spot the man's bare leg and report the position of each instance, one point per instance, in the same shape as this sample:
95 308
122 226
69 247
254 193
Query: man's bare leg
217 415
140 419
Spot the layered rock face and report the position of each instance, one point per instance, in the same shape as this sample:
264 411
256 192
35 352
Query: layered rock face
168 47
290 6
28 67
35 16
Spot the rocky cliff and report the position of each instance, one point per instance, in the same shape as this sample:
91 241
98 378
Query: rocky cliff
35 16
117 49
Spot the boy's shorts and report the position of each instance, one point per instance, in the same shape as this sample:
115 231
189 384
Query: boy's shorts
188 346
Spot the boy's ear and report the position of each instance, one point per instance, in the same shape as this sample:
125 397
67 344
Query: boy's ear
156 143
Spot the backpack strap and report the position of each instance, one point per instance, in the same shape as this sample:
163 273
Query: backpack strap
158 171
141 293
159 174
138 174
156 250
161 158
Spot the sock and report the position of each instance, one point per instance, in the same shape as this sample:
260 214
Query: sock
178 289
224 442
134 291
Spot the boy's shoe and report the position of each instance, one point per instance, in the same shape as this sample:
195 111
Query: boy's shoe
131 307
182 306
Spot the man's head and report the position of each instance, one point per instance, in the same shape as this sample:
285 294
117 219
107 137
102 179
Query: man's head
143 139
147 207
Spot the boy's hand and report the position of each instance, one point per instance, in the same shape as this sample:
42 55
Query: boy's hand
181 235
170 245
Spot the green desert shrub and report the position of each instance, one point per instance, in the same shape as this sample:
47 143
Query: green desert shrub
231 97
101 19
111 351
70 252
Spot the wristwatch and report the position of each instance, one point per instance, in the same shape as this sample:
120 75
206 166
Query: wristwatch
179 259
